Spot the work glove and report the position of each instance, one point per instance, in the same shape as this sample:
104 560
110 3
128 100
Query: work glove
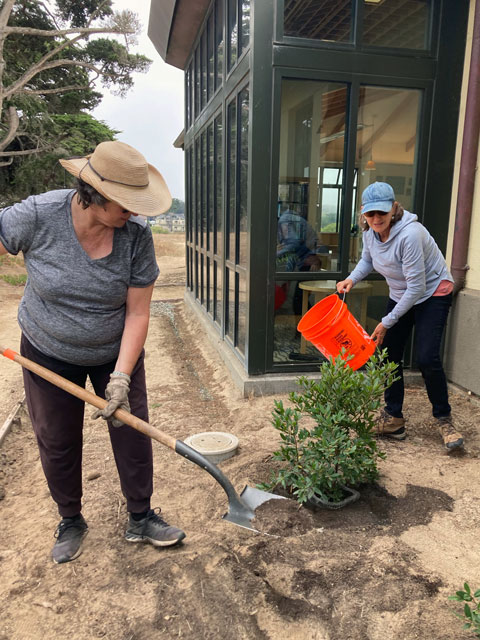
116 393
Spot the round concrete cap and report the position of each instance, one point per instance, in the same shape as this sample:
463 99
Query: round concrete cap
216 446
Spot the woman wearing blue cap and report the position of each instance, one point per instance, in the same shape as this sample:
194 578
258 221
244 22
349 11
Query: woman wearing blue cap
401 249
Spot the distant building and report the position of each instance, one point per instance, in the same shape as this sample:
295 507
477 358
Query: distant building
173 222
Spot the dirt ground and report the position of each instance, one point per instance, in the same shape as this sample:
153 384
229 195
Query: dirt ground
377 570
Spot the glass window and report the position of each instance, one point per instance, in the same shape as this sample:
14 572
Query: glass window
312 138
204 189
197 82
210 54
232 174
218 238
202 279
203 68
310 202
196 273
210 291
230 303
218 292
386 147
210 187
188 212
319 19
232 39
242 313
198 192
244 40
219 48
188 96
243 159
390 23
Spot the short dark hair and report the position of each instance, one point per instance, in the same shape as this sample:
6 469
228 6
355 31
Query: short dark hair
87 195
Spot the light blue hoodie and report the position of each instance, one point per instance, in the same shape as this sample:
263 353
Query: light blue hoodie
410 261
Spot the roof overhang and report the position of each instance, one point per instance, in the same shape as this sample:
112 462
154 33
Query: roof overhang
173 27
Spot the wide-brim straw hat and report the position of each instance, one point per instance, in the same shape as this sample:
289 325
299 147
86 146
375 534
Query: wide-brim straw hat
120 173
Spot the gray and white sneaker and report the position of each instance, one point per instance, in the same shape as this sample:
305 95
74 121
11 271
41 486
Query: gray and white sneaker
70 535
154 530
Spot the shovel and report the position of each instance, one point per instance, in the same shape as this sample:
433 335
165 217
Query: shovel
241 509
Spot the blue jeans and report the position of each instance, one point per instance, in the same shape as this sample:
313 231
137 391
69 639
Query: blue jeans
429 318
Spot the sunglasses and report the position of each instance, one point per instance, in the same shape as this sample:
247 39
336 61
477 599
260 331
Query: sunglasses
370 214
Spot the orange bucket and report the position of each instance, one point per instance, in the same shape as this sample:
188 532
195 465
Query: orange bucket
330 326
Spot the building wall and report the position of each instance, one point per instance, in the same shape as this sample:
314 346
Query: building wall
462 349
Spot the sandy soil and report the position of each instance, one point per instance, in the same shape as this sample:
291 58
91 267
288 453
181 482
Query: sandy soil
380 569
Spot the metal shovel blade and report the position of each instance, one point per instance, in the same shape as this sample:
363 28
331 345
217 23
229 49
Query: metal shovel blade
242 510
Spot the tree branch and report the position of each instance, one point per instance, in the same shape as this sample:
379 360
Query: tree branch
17 86
12 129
6 154
44 92
54 33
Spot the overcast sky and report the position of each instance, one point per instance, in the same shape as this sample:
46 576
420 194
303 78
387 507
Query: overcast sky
151 115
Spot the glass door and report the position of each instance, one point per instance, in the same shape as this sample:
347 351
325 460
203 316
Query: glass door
311 217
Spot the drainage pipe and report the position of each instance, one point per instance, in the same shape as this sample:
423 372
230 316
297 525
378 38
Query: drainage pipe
468 163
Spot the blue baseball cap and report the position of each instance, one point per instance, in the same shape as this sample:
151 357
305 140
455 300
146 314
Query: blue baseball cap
378 196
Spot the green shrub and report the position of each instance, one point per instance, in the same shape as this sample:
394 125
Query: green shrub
471 612
327 438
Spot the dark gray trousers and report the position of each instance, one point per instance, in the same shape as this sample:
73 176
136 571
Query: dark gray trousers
57 419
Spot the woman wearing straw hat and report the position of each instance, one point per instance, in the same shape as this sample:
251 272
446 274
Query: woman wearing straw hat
84 313
402 250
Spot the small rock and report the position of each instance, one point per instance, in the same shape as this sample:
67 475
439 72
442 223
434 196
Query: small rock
94 475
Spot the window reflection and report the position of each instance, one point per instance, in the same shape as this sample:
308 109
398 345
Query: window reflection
243 106
210 55
245 24
218 292
230 303
218 42
242 313
319 19
386 144
232 171
402 25
311 180
218 233
210 187
232 39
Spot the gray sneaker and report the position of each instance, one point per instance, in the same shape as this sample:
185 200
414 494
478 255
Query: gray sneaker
70 535
154 530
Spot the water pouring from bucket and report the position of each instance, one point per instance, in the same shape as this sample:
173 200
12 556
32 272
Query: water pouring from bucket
330 327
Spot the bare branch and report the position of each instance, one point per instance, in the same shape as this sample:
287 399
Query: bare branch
36 69
45 92
13 127
5 154
5 164
54 33
5 12
53 17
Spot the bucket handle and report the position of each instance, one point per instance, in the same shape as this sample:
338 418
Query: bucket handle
340 309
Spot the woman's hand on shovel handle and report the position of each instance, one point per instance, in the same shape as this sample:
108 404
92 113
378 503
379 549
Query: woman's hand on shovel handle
116 393
344 286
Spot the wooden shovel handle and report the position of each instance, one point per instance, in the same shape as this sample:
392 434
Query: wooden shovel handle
90 398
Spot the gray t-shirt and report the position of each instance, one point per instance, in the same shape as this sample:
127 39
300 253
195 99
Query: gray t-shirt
73 307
